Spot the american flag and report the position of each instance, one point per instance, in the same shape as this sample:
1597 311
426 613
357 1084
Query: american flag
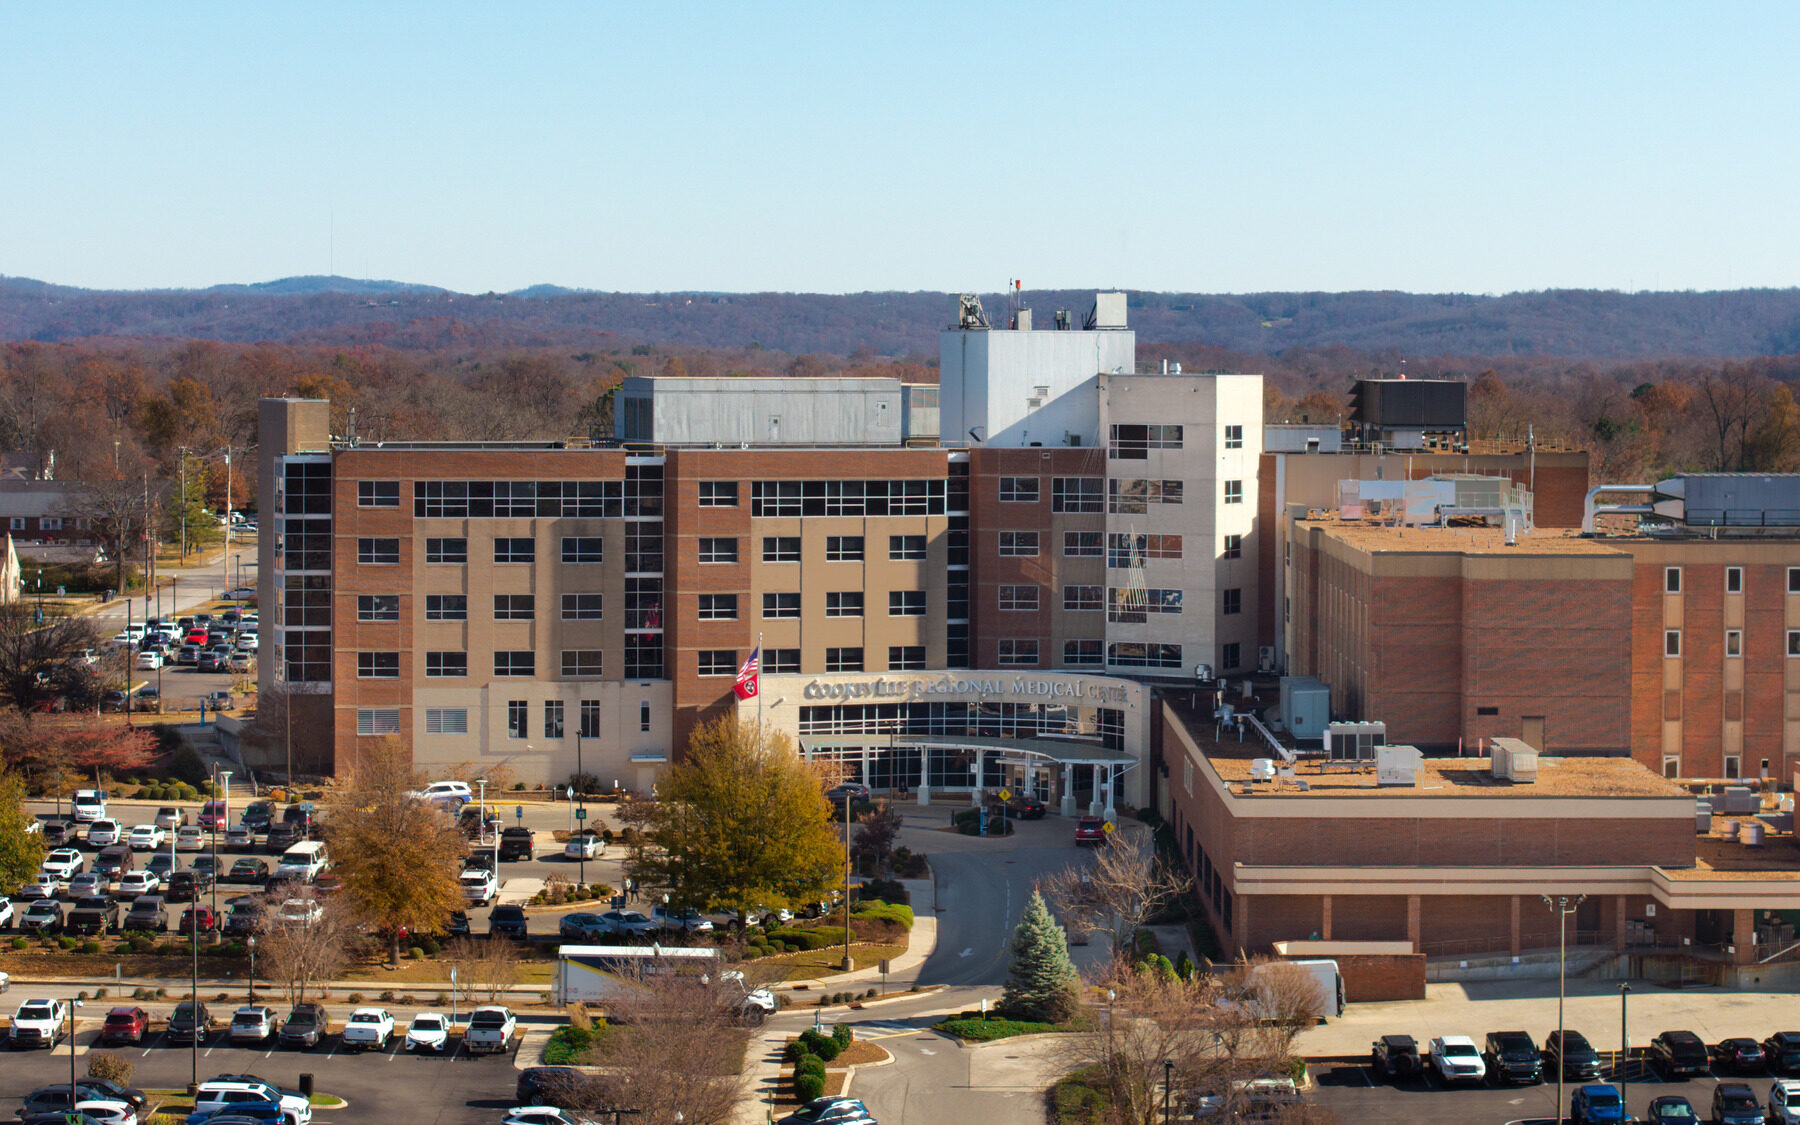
746 677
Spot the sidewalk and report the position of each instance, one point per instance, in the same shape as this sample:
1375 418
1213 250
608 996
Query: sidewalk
903 971
1592 1007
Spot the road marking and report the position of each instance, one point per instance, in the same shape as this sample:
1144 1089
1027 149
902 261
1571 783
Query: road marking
966 953
926 1051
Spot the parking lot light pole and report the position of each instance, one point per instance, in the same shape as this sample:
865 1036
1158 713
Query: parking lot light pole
1168 1080
73 1096
194 999
1564 906
1624 1051
581 820
251 998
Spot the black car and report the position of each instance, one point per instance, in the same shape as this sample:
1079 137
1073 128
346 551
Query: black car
1569 1050
1739 1056
190 1023
249 870
1394 1056
550 1085
187 884
459 925
55 1099
508 922
281 837
516 843
114 861
1782 1050
305 1026
1024 808
257 815
244 915
482 859
1671 1109
1734 1103
94 915
1675 1053
1511 1056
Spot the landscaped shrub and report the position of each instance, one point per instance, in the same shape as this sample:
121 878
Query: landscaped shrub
90 947
823 1046
808 1086
811 1063
808 939
20 943
886 912
884 890
841 1035
568 1045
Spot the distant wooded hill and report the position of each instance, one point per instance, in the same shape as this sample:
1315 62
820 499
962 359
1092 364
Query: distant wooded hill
345 312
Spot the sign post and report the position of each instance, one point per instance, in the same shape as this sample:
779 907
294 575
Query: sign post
884 973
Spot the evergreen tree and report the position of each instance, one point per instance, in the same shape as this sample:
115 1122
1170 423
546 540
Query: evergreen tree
1041 983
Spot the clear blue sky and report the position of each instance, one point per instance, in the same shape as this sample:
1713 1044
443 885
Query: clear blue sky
1475 147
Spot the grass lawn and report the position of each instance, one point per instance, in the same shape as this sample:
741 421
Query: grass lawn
434 972
981 1027
804 964
1080 1098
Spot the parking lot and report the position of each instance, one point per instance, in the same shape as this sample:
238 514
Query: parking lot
1355 1093
453 1089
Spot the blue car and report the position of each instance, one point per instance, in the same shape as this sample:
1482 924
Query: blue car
1595 1104
268 1113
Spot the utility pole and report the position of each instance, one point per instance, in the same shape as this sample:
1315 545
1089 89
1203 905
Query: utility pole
1564 906
848 964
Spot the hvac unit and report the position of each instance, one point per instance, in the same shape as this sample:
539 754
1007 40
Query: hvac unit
1265 659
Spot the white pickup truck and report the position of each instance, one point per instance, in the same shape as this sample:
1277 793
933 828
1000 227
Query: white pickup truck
491 1031
368 1028
40 1023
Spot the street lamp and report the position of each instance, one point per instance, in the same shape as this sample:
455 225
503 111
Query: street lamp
1168 1080
73 1096
581 815
251 999
1564 906
1624 1051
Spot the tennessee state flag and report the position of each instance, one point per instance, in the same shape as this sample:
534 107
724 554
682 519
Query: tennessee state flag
746 677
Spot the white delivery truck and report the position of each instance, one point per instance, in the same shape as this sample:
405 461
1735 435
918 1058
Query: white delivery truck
1324 974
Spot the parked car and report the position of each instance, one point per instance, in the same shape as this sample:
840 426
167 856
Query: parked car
64 863
1456 1059
549 1085
586 844
368 1027
458 926
103 832
1675 1053
1671 1109
853 790
40 1023
508 921
492 1030
146 838
41 885
1090 830
212 815
198 919
239 838
146 913
58 832
161 865
581 926
253 1023
1784 1101
516 843
257 815
1596 1104
629 924
675 920
188 884
479 886
89 805
87 885
1739 1056
190 838
250 871
428 1031
243 916
43 916
95 915
300 911
1511 1056
305 1026
124 1024
1734 1103
1782 1049
115 861
228 1091
1570 1051
541 1115
1019 807
191 1022
452 793
170 817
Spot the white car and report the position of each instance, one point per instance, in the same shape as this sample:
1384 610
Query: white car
246 642
223 1093
41 885
146 838
542 1115
190 838
428 1031
479 886
40 1023
108 1112
64 863
628 923
304 911
368 1027
1456 1058
674 920
89 805
6 919
102 833
455 793
149 661
1784 1101
135 883
585 845
492 1030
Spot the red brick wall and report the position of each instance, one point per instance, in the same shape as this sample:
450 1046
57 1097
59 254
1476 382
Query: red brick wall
1395 976
1572 839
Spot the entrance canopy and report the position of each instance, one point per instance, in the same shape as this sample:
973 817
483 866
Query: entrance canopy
1063 751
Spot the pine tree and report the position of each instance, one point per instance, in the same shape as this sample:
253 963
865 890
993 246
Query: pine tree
1041 984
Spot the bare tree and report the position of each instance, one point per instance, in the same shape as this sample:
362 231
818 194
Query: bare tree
31 654
1729 400
305 947
484 969
1125 886
1209 1028
674 1052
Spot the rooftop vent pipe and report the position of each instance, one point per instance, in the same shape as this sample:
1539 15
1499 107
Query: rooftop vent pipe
1590 509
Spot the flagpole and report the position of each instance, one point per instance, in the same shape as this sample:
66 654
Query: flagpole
759 726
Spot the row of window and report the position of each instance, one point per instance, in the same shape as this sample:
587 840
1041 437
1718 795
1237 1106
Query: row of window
724 661
847 498
640 494
576 664
1012 652
455 607
838 548
576 549
1734 642
455 720
1734 580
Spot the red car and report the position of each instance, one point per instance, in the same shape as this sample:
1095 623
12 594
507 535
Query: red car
201 916
1090 830
125 1025
212 815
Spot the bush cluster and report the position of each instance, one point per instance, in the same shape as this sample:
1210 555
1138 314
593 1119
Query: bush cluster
968 823
885 912
808 939
168 791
